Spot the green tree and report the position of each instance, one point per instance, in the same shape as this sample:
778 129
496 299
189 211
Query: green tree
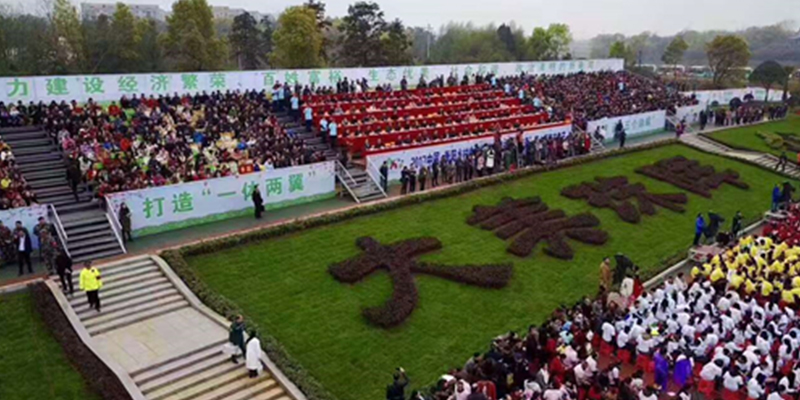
396 44
150 51
789 73
620 50
464 43
551 43
297 41
673 55
727 54
98 45
124 40
245 40
191 40
363 27
68 38
767 74
267 29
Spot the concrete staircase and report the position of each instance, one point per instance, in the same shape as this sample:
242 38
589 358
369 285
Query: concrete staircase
144 305
89 234
770 161
706 144
205 374
132 292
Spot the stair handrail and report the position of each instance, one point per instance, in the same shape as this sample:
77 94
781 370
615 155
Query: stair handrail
113 220
343 174
60 231
369 170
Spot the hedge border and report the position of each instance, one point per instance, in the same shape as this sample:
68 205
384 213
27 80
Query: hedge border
95 372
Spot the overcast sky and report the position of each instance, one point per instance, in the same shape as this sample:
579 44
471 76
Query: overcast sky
586 18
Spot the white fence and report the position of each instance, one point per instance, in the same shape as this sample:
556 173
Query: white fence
112 87
635 124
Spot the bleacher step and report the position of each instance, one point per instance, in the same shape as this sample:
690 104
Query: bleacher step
134 318
129 290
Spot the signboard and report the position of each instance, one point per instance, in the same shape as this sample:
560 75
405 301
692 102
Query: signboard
635 124
418 157
113 87
724 97
29 216
170 207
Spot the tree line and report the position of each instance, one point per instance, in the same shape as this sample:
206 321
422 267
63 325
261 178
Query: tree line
58 41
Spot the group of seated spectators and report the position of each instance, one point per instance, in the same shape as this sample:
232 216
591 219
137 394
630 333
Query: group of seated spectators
729 330
596 95
14 189
145 141
152 141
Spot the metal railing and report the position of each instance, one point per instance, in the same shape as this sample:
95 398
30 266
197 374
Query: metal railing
60 231
113 220
344 175
369 169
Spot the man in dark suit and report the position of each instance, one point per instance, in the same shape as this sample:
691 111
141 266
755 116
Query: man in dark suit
22 241
385 176
258 202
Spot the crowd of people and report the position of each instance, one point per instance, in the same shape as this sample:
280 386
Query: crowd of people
596 95
742 115
14 189
144 141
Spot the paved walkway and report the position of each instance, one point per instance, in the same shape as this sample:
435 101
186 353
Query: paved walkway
161 341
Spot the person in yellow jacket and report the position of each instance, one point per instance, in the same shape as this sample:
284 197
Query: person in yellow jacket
91 283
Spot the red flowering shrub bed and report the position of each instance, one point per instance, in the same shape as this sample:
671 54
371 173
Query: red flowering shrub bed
616 193
399 259
691 176
531 222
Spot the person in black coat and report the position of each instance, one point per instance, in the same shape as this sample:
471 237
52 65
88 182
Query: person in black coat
74 177
258 202
404 180
384 170
22 241
64 270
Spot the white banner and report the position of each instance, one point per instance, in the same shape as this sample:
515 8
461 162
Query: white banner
724 97
170 207
29 216
635 124
112 87
424 156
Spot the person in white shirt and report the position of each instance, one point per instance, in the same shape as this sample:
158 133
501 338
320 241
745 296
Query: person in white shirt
608 332
732 381
583 375
711 371
755 387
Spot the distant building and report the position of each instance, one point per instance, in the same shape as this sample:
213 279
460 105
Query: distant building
90 11
224 12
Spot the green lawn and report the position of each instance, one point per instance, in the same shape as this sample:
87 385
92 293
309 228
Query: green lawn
32 363
746 138
284 284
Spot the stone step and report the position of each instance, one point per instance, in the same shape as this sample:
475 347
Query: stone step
39 184
123 293
115 312
100 248
272 394
75 244
96 227
67 209
98 256
25 159
134 318
76 220
28 141
45 172
113 280
192 386
175 363
117 270
208 360
33 150
64 199
12 130
241 389
94 234
56 190
130 301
